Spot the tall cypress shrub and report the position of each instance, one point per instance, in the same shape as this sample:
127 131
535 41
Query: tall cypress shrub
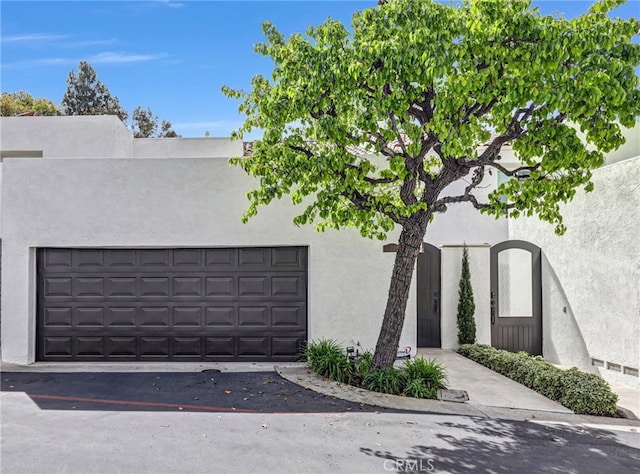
466 305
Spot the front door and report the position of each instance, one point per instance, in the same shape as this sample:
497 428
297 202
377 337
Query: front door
428 284
516 297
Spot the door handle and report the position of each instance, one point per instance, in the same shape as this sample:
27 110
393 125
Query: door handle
493 307
436 302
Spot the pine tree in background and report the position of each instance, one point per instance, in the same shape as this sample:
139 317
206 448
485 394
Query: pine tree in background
86 95
466 305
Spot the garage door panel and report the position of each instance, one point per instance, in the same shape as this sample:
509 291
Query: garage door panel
88 287
58 258
171 304
187 258
89 316
253 287
154 346
187 287
87 258
254 316
285 346
154 316
121 347
254 346
187 317
216 316
89 346
56 287
220 259
54 316
58 346
155 258
121 287
119 259
288 316
289 258
154 287
288 287
220 287
121 316
220 346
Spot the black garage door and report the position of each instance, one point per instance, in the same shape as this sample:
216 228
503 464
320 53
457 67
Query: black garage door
171 304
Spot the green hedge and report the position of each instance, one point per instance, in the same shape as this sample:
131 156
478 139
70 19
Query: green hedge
581 392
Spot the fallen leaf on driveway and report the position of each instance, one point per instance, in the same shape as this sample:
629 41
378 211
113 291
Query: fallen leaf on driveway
264 426
227 392
409 422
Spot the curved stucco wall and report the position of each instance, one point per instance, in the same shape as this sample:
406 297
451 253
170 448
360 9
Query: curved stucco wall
591 275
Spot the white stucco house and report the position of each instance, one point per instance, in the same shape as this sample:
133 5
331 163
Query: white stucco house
120 249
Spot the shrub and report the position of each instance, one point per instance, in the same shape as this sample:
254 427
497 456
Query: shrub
581 392
429 372
587 393
419 378
327 358
466 305
361 367
416 388
387 380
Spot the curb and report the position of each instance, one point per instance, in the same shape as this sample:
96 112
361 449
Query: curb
309 380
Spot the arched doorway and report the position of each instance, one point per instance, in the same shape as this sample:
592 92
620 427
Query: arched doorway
516 297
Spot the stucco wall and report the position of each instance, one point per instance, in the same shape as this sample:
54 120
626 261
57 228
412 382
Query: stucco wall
176 203
186 148
68 136
451 271
591 275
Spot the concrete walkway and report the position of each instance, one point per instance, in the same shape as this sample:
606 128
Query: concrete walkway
491 395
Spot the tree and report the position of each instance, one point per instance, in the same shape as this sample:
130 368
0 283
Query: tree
16 103
431 93
145 125
86 95
466 305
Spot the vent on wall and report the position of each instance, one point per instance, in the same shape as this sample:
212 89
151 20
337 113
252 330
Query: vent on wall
614 367
20 154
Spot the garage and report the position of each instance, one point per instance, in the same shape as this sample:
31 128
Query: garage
180 304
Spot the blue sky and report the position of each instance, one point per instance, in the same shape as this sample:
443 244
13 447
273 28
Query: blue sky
172 55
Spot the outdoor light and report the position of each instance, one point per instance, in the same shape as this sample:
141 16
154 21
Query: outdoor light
521 175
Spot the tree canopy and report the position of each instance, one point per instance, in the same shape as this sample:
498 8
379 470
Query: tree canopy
374 124
144 124
86 95
16 103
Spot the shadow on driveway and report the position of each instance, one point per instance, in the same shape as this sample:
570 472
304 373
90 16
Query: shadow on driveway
242 392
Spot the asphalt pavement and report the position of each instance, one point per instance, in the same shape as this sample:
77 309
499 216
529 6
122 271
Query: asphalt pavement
237 418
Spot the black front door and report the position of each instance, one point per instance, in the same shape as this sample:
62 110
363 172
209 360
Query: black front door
428 284
516 297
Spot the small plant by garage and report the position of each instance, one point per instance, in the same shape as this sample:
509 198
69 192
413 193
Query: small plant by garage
466 304
417 378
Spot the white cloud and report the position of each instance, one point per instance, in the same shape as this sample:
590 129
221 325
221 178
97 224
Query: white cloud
107 57
171 4
110 57
30 37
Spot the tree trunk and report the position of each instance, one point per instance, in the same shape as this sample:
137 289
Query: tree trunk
409 246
